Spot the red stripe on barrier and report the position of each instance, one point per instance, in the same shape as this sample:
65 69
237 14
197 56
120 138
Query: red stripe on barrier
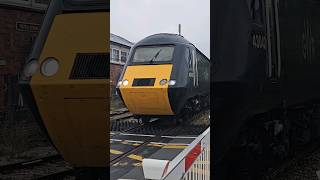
191 156
165 169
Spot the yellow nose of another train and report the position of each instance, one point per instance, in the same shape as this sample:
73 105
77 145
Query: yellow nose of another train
73 103
142 92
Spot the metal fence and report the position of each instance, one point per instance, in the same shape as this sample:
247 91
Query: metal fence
200 169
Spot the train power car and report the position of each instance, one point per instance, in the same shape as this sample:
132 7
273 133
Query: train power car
164 75
66 80
266 80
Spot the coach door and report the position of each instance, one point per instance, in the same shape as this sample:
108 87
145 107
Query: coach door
273 39
193 68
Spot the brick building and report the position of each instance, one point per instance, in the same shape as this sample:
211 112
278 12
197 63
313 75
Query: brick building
119 51
20 22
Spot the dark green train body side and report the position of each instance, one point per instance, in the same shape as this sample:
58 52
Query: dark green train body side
266 57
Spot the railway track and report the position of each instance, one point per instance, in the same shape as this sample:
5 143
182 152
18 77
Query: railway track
147 137
30 163
53 167
159 139
118 111
127 135
58 175
42 168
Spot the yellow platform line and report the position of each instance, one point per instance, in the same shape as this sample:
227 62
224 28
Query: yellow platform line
112 151
169 146
135 157
131 156
174 147
156 145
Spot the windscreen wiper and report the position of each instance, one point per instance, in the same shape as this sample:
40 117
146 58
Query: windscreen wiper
155 56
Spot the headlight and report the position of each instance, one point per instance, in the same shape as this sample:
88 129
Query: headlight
30 68
119 83
49 67
125 82
163 82
172 82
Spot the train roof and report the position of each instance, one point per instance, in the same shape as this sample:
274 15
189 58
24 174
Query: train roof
163 38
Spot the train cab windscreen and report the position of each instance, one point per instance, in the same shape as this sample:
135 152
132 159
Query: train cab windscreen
153 54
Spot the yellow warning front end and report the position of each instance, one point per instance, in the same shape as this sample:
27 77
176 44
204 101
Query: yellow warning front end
73 102
142 92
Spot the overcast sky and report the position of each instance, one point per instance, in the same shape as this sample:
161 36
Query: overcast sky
136 19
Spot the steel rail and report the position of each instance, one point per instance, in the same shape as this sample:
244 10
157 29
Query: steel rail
29 163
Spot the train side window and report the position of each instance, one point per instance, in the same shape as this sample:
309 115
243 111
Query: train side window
189 57
195 68
123 58
256 11
261 11
201 68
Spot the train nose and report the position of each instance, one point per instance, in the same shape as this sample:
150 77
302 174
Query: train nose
148 101
71 91
144 89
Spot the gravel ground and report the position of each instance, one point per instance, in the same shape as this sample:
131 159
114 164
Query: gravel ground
116 103
301 169
21 139
203 118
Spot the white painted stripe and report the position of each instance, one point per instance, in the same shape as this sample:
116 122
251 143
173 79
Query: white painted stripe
180 137
118 140
147 135
134 141
35 161
154 119
158 143
183 144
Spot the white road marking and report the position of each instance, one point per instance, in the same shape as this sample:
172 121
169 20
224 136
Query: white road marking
148 135
180 137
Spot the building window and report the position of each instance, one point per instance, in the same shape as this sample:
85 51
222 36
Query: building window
124 56
37 4
115 55
3 62
16 2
